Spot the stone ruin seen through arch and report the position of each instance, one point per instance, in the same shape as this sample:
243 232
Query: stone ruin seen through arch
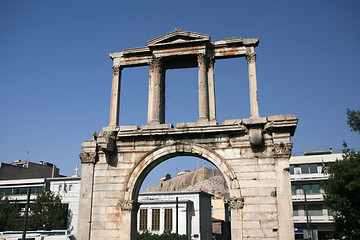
252 154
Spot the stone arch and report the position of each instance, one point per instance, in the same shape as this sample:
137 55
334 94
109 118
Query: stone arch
161 154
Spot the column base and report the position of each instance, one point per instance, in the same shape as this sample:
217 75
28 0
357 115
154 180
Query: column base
197 124
206 122
156 126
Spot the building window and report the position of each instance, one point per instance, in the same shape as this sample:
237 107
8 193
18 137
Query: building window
296 189
143 219
315 209
312 188
296 210
292 168
168 220
155 223
309 168
36 190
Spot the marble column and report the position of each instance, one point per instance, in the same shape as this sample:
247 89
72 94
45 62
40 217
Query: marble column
115 96
88 161
156 104
251 57
162 94
211 86
203 88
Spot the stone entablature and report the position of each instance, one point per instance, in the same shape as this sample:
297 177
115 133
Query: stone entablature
183 43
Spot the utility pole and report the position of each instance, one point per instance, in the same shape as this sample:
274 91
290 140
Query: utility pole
307 216
26 213
27 155
177 218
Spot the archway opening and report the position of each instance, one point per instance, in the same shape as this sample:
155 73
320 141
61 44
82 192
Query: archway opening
187 195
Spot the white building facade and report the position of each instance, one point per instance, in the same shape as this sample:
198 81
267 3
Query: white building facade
69 190
307 174
158 213
16 190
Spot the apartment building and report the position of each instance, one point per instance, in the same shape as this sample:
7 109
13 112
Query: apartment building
308 172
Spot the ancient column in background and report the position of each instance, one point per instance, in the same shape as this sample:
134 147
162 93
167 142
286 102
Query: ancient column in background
211 86
162 95
156 104
203 89
115 96
251 57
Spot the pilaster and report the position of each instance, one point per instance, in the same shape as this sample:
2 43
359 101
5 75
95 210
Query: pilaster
88 160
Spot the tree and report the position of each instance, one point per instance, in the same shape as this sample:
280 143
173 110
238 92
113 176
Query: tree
353 120
9 215
47 212
342 190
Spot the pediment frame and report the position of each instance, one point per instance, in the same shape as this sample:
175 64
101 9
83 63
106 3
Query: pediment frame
179 37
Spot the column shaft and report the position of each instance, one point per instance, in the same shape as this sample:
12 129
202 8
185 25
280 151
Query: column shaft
203 89
162 95
156 105
211 84
115 96
251 57
150 96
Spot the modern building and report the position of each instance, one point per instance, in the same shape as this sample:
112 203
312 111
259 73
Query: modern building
308 172
68 188
26 170
158 213
16 190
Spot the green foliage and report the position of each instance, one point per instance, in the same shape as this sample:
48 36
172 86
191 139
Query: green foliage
343 193
9 215
353 120
342 190
47 212
146 235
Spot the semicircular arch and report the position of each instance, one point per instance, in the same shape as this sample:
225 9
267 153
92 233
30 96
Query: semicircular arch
150 160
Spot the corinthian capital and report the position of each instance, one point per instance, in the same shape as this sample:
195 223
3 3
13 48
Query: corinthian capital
251 57
88 157
283 149
127 205
211 61
116 69
201 58
236 202
155 63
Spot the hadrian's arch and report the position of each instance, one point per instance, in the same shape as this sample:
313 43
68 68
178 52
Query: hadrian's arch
252 154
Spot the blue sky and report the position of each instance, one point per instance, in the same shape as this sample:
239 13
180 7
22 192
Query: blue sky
55 72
